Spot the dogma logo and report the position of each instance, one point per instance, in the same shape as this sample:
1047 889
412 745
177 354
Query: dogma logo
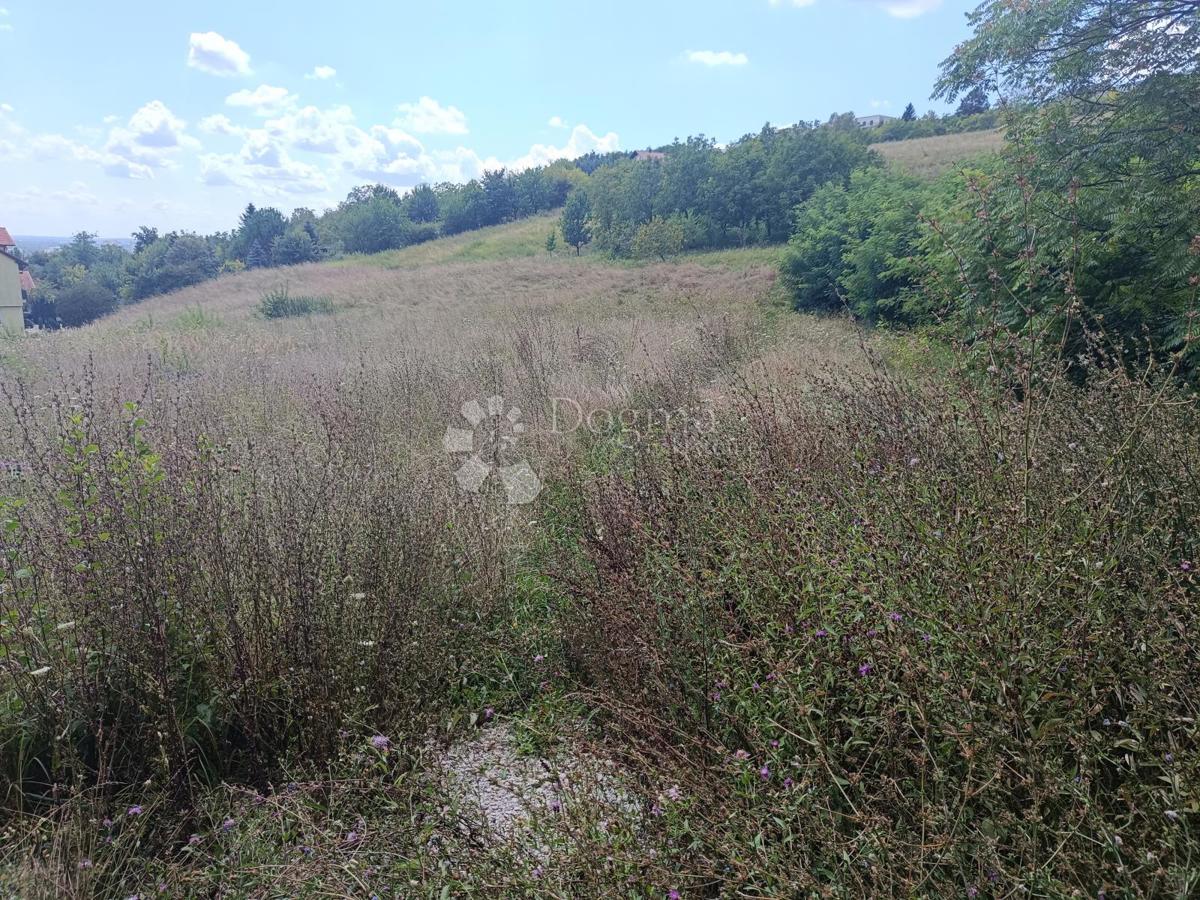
489 445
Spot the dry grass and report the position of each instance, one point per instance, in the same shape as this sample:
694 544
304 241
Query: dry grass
931 156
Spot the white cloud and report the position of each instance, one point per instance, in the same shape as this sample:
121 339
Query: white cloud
313 129
6 107
217 55
262 164
717 58
220 124
557 122
427 116
264 100
793 2
909 9
149 141
4 26
321 73
582 140
880 104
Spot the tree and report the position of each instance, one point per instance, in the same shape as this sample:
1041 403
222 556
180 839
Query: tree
293 247
143 238
258 228
551 243
910 113
172 262
83 302
975 101
659 237
423 204
372 226
574 222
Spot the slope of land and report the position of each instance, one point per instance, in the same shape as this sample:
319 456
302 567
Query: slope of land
931 156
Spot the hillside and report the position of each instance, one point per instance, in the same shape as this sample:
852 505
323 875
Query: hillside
931 156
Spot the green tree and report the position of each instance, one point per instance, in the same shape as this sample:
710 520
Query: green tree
551 242
910 113
974 102
373 225
574 221
659 237
422 204
256 232
293 247
143 238
172 262
83 302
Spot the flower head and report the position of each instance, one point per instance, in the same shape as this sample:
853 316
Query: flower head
672 894
741 755
380 742
895 616
228 824
864 670
820 632
765 773
133 811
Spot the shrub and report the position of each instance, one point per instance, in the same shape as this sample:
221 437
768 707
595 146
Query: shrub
280 304
83 302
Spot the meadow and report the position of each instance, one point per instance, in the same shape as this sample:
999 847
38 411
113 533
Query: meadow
800 610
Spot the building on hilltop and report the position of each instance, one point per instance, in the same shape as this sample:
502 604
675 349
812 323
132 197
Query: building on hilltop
874 121
654 155
16 283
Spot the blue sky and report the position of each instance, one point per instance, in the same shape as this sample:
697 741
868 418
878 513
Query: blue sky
176 114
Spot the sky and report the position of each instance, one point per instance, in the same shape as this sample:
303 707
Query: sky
176 114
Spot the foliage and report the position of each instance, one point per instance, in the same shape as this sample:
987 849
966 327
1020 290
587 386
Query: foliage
170 263
422 204
574 223
280 304
83 302
659 238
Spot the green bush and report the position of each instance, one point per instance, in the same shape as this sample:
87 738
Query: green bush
279 304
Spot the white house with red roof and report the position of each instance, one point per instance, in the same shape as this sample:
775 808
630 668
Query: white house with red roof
16 283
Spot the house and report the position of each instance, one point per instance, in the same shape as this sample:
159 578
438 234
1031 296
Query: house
655 155
875 121
15 285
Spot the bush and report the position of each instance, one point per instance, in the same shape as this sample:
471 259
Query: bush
927 632
83 302
279 304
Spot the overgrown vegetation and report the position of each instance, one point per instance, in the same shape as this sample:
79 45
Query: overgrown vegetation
281 304
843 612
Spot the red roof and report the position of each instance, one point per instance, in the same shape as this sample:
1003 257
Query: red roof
6 238
27 281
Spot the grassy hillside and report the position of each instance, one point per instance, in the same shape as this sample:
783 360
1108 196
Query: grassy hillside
773 616
931 156
526 237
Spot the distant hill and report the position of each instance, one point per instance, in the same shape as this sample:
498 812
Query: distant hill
32 243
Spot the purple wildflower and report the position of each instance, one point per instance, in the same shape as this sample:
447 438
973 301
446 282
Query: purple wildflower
756 686
228 824
656 810
673 792
864 670
972 891
927 637
895 616
714 696
538 658
775 743
488 713
673 894
741 755
765 773
1169 757
872 632
380 742
1185 565
537 872
85 864
133 811
771 676
107 823
821 632
787 782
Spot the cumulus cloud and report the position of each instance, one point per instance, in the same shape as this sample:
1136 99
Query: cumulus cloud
427 116
557 122
717 58
217 55
220 124
264 100
264 164
582 140
148 141
321 73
